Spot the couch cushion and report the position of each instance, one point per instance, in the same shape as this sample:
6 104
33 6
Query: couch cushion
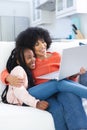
5 50
14 117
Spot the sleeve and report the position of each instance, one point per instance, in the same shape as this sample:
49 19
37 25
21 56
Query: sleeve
74 77
3 76
23 95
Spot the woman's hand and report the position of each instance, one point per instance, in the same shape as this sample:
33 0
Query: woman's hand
82 70
14 80
42 105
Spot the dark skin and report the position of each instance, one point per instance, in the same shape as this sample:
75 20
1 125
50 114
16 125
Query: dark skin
42 105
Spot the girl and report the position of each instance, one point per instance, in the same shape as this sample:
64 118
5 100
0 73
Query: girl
19 64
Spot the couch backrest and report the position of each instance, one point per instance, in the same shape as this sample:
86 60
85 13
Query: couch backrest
5 50
59 46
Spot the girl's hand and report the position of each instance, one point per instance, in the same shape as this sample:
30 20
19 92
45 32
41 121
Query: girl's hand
82 70
42 105
14 80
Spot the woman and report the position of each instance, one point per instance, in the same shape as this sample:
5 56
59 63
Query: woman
62 105
39 40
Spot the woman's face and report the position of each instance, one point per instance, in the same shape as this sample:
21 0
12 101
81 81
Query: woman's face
40 48
29 58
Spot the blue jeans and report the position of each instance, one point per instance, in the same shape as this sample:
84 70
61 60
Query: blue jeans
73 111
46 90
56 109
67 112
83 79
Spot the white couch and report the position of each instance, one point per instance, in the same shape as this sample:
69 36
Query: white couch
26 118
18 117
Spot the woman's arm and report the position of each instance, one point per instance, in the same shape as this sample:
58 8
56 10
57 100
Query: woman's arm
76 76
7 78
4 74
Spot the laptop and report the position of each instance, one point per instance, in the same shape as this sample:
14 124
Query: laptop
72 60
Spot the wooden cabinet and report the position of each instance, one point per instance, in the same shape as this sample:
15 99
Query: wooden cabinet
69 7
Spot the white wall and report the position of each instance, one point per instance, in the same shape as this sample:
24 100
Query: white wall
14 8
62 28
83 19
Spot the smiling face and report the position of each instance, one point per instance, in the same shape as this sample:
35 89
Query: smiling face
29 58
40 49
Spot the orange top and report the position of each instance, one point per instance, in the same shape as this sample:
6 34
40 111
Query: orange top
4 74
46 66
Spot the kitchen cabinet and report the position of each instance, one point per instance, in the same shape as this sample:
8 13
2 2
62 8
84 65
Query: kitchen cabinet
7 28
40 15
11 26
48 5
69 7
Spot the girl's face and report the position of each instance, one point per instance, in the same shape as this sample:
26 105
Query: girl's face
40 48
29 58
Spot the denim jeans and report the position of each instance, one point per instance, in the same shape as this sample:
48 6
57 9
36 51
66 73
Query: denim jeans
66 117
67 112
74 114
47 89
56 109
83 79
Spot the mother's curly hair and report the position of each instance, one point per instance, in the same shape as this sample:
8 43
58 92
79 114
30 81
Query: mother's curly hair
30 36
